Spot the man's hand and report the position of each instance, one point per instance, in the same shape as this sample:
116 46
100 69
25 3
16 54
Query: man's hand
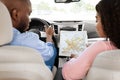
49 33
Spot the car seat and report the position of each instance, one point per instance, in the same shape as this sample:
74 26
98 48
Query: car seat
106 66
16 62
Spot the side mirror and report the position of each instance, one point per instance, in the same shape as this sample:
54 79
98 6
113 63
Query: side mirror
66 1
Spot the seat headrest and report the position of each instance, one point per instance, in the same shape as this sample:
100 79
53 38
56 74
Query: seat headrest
6 32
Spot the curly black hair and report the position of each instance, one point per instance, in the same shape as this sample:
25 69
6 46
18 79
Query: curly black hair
109 11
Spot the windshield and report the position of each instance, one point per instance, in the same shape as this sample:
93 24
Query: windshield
49 10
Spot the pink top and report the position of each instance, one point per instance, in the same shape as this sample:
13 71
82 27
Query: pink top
76 68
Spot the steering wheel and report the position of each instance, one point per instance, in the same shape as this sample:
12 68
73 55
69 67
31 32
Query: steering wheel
37 25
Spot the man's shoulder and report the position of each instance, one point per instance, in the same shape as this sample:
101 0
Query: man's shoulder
25 35
29 35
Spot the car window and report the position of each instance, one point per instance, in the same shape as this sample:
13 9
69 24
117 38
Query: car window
49 10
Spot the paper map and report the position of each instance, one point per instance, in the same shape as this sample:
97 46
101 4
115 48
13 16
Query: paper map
72 42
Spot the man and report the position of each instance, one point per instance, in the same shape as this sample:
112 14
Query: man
20 11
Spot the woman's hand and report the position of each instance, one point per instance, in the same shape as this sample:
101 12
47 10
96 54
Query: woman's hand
74 56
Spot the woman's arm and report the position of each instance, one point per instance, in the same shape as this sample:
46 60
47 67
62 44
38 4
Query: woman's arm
76 68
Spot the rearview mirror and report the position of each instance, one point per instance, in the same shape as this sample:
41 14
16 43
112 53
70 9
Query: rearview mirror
66 1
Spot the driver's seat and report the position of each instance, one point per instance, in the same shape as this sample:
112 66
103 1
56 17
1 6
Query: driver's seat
18 63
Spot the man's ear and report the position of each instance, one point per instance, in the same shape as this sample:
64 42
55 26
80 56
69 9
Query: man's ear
14 15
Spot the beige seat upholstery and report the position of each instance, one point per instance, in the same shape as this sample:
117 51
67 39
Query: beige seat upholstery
106 66
18 63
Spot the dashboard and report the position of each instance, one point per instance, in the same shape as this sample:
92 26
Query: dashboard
68 26
37 23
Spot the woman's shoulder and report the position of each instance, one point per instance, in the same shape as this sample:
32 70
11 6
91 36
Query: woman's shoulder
105 44
103 41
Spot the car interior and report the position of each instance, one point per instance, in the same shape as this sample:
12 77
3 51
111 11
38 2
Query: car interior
23 63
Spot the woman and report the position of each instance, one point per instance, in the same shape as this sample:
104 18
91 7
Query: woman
108 25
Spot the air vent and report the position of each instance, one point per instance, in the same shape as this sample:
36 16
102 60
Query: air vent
56 29
80 27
